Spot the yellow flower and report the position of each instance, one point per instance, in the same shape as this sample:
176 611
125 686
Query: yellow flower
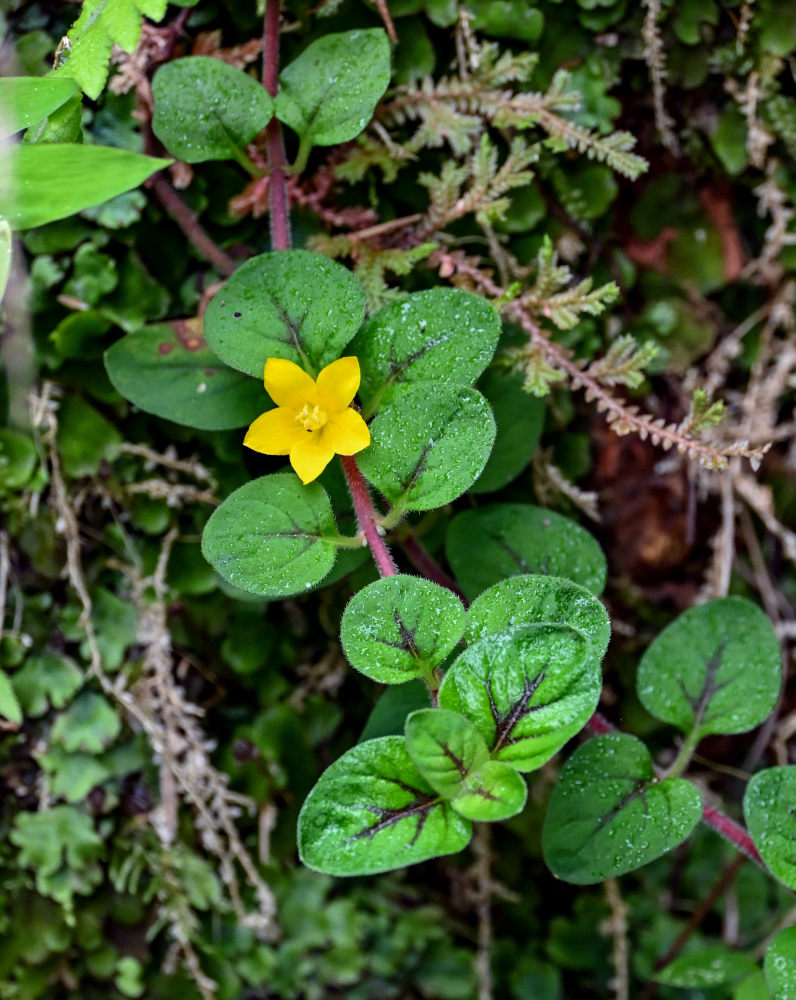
313 420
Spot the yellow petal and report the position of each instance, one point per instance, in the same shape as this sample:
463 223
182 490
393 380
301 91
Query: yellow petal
346 432
338 383
274 432
310 455
288 385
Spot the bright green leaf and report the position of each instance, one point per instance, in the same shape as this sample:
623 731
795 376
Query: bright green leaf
428 445
528 690
609 814
399 627
716 669
72 775
5 255
372 811
291 304
753 987
445 747
9 705
101 24
769 806
272 536
175 375
51 181
329 93
536 599
708 967
206 109
488 544
780 965
27 100
85 437
18 459
493 792
440 335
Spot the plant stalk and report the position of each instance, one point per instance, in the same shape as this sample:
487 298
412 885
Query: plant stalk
366 516
274 143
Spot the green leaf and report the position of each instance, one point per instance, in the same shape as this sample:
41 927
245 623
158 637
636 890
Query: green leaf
445 747
494 792
50 181
428 445
400 627
174 374
780 965
90 724
440 335
272 536
752 988
329 93
5 255
46 679
72 775
708 967
101 24
18 459
206 109
519 418
488 544
530 600
769 806
27 100
716 669
389 714
291 304
372 811
528 690
9 705
609 815
85 437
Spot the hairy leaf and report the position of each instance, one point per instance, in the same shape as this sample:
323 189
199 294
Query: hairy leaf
526 600
442 335
328 94
488 544
171 372
609 814
780 965
206 109
428 445
272 536
493 792
769 806
291 304
372 811
399 627
716 669
528 690
445 747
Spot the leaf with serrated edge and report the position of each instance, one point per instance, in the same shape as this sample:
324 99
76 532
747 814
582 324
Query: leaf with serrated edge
528 690
532 599
179 378
289 304
716 669
445 747
609 815
494 792
206 109
780 965
491 543
769 807
428 445
396 627
272 536
372 811
440 335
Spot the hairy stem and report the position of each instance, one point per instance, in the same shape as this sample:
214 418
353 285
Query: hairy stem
366 516
274 143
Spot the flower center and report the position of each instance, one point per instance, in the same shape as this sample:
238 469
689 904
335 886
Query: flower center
311 418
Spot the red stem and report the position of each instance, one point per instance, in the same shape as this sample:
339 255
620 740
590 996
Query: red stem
275 147
190 225
366 516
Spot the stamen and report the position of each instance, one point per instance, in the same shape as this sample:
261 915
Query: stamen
311 418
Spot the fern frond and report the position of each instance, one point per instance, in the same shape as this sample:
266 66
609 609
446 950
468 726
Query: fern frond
624 362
